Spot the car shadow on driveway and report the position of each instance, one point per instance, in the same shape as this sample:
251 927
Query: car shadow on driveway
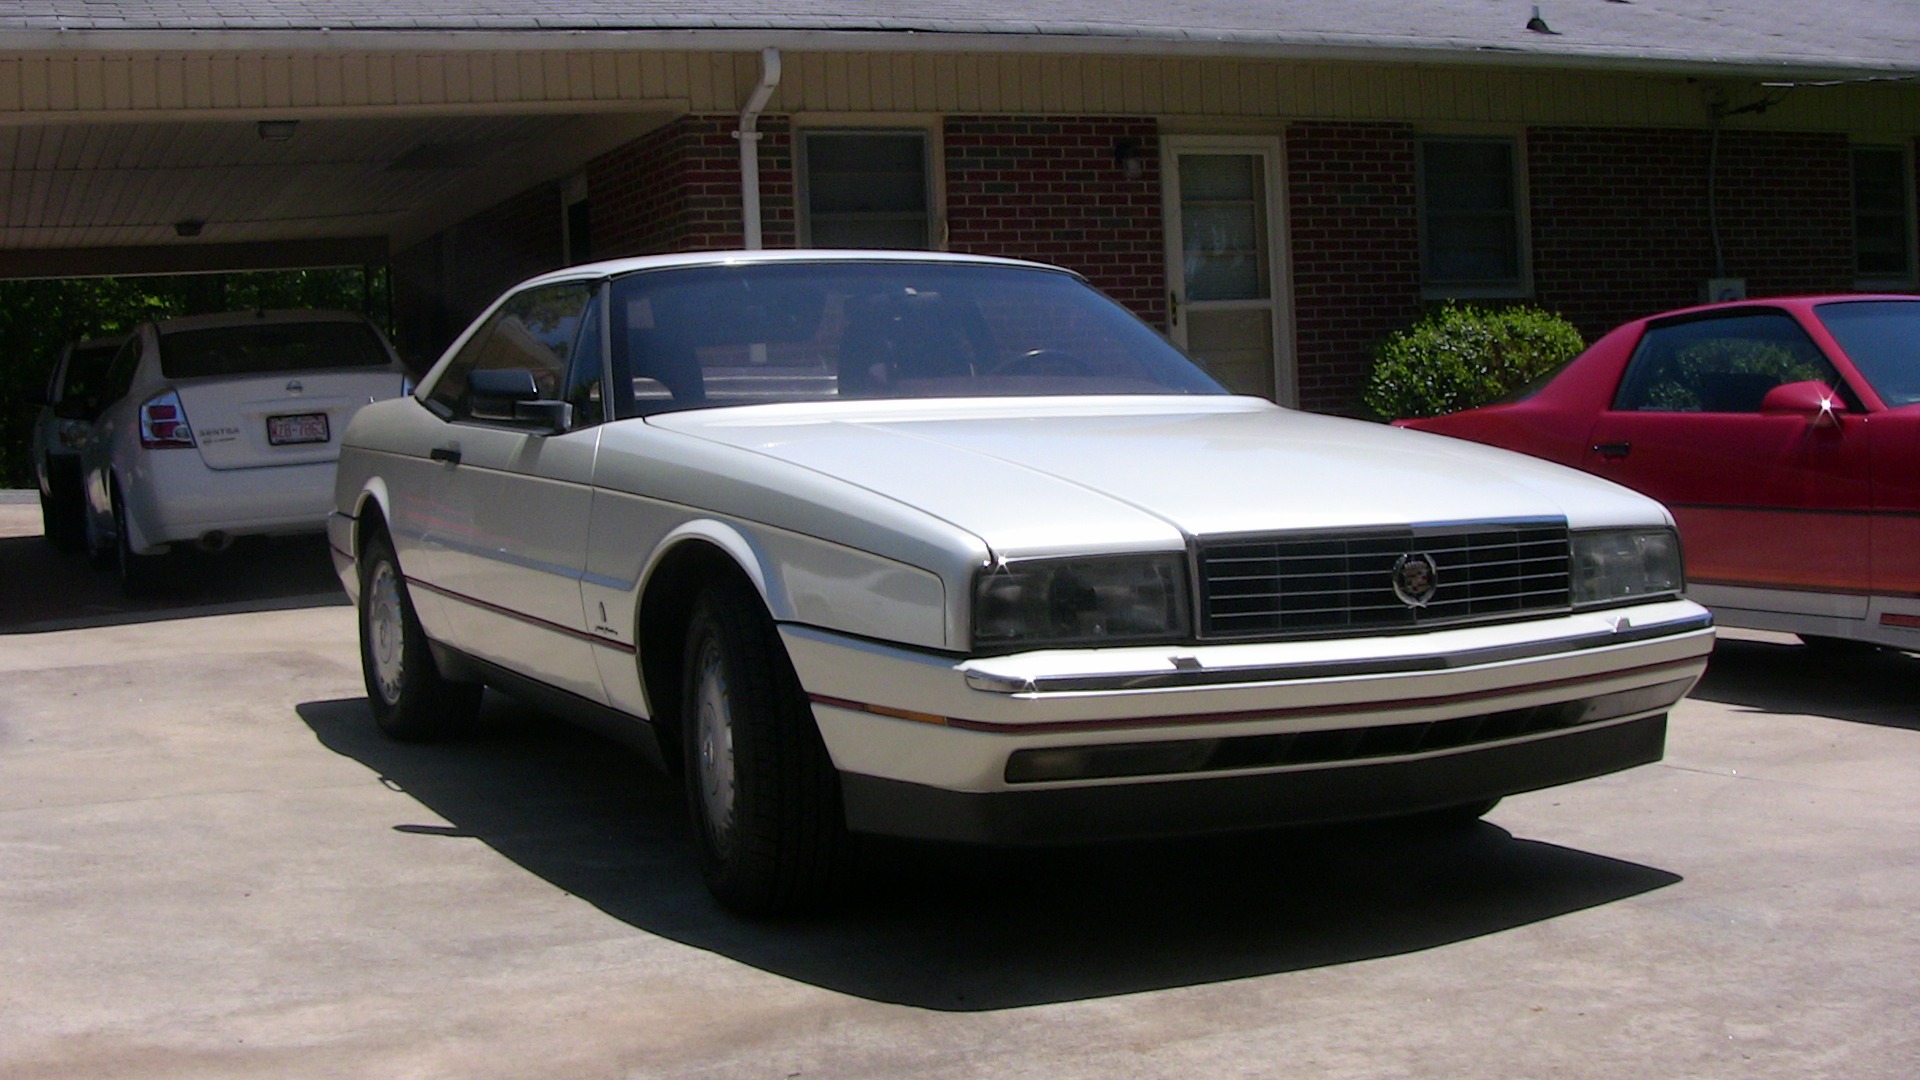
963 929
43 590
1781 677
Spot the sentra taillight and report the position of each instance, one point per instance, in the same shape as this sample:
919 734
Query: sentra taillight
163 423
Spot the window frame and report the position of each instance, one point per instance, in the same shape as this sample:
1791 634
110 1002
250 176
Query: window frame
1518 287
934 238
467 357
1911 274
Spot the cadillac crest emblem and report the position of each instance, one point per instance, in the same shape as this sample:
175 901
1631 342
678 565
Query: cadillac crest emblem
1415 579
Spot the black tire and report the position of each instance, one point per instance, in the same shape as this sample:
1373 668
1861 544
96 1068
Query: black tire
62 513
50 523
761 789
410 699
139 574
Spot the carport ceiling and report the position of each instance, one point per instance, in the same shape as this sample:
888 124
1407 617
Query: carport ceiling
107 198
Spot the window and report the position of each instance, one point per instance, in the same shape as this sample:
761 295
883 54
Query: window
866 189
1724 364
534 331
1882 214
1470 218
266 347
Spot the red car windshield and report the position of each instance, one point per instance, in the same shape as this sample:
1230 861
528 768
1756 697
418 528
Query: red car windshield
1882 338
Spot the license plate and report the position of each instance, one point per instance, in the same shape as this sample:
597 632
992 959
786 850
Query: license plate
303 428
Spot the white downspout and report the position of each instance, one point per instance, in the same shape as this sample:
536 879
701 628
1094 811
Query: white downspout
749 136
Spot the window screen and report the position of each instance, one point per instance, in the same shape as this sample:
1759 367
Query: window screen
867 190
1470 214
1882 214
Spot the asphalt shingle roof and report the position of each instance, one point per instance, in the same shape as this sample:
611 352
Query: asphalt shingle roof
1788 36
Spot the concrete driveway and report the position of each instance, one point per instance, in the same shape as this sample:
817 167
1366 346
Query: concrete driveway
211 866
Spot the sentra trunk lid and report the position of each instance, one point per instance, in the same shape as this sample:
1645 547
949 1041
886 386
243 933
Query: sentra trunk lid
275 390
283 419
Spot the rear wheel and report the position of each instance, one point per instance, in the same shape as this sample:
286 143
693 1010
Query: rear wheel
764 796
139 574
411 700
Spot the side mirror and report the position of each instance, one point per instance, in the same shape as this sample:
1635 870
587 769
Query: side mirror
1812 399
511 396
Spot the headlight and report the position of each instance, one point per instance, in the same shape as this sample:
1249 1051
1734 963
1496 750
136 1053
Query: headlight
1620 566
1108 600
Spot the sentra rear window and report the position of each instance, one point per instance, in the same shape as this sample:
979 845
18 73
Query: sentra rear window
269 347
1882 338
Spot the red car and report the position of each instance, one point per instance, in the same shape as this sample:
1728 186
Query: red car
1784 434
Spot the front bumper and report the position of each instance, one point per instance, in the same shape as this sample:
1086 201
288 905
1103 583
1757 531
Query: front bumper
1085 744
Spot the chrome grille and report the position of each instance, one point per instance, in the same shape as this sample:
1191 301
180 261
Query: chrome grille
1321 583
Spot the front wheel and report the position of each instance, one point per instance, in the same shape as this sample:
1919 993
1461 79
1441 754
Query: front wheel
411 700
764 796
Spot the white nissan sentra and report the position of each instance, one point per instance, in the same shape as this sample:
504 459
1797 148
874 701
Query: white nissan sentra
222 426
957 548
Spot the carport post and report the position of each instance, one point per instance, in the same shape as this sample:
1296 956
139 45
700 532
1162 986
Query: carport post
749 136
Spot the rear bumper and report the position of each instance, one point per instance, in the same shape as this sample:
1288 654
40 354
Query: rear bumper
172 496
1228 803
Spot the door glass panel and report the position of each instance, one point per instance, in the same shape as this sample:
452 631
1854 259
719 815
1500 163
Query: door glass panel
1235 346
1223 226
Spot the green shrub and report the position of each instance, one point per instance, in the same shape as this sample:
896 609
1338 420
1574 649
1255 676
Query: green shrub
1460 356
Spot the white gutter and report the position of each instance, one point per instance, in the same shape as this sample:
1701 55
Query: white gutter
749 136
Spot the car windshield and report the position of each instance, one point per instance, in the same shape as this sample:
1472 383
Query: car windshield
811 331
1882 338
267 347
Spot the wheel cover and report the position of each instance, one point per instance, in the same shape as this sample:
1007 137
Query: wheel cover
386 631
713 747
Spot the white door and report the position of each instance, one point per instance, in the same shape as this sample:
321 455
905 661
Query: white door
1225 273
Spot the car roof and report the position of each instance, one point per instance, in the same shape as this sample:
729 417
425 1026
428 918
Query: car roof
1797 302
617 267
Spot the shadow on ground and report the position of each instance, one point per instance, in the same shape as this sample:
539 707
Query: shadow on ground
42 589
965 929
1859 685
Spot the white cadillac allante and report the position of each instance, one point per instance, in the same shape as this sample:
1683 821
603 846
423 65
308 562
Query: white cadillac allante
957 548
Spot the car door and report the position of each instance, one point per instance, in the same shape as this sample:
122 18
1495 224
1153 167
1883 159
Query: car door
1774 501
506 544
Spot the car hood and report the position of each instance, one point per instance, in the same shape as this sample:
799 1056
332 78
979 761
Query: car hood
1034 476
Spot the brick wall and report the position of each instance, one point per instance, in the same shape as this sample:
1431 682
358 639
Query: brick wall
1051 189
1620 218
1355 246
678 189
441 284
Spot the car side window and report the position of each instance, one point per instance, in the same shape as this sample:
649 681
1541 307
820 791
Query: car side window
119 377
534 331
1720 364
586 377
